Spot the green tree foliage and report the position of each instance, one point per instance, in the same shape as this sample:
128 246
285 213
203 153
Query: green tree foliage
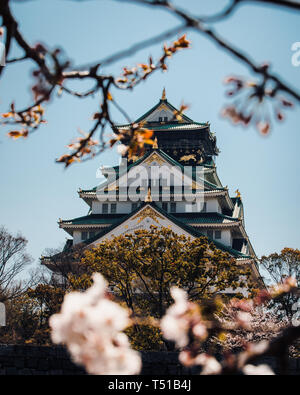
141 268
145 337
21 320
49 299
28 315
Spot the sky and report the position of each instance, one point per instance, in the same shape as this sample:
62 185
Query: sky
36 191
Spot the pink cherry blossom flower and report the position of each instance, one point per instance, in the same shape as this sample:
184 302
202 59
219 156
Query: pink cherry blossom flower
91 327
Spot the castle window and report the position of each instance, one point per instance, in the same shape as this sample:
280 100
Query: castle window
113 208
91 234
160 119
173 207
204 208
84 235
104 208
165 119
218 234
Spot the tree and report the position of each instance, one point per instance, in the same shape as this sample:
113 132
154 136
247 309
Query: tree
278 267
30 305
48 299
53 74
92 327
62 262
141 267
257 324
22 320
28 315
13 261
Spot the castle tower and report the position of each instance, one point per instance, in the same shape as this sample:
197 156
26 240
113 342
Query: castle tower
179 144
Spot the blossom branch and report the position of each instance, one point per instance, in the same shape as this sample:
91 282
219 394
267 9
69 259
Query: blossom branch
54 78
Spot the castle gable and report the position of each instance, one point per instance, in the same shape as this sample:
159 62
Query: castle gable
144 218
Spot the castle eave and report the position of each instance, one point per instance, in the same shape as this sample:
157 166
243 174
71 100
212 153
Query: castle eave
166 127
228 224
82 226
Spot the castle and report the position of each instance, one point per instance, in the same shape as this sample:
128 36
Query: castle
184 149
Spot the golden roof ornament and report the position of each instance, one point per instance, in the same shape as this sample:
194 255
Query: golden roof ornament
238 193
148 198
154 145
163 96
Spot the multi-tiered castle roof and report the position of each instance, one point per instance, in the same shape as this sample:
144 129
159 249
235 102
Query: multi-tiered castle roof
178 143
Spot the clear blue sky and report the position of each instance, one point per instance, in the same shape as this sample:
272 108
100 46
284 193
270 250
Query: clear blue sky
35 191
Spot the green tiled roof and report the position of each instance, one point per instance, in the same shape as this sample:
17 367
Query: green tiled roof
197 233
236 200
94 219
169 126
203 218
89 190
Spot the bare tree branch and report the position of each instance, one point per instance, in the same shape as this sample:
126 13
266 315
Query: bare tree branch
13 261
54 78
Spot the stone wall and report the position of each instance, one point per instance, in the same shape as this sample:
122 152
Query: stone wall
164 363
36 360
55 360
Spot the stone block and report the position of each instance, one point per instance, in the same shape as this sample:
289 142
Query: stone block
43 364
19 362
11 371
26 372
31 363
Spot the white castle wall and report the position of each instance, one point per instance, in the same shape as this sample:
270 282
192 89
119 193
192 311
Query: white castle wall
226 237
212 206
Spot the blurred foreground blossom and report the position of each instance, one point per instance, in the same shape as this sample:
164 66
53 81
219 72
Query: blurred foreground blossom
254 103
210 366
180 318
90 325
246 326
263 370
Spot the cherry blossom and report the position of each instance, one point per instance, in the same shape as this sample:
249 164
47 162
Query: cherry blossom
180 318
263 370
91 327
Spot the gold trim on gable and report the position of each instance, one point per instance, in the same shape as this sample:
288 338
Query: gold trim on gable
148 212
163 107
155 157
